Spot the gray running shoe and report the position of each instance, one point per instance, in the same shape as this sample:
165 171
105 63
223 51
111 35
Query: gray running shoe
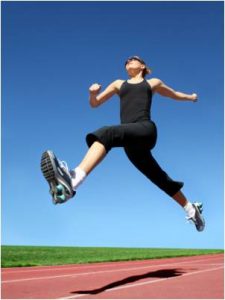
198 219
58 176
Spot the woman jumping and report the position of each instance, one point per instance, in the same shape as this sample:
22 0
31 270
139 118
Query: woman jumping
137 134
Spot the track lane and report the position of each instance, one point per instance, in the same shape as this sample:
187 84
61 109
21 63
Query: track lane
75 281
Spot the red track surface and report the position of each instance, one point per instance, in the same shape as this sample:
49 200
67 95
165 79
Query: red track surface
196 277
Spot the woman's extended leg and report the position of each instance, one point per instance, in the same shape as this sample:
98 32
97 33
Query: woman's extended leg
180 198
93 157
145 162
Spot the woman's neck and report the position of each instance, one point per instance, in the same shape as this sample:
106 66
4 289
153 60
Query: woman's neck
136 78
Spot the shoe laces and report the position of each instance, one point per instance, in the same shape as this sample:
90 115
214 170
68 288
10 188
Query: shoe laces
199 206
63 165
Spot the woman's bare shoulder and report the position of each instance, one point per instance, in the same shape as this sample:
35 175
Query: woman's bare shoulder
154 82
118 83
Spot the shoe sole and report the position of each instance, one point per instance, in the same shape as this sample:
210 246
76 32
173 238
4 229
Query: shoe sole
59 189
47 167
199 217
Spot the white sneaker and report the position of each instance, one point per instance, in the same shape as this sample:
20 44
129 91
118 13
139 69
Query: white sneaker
58 177
197 219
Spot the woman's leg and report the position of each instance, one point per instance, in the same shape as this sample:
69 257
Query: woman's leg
180 199
145 162
93 157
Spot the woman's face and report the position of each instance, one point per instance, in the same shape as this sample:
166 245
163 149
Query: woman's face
134 66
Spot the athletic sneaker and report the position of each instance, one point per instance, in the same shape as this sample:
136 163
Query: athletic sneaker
198 219
58 176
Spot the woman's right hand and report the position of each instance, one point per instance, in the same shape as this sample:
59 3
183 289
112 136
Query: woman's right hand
95 88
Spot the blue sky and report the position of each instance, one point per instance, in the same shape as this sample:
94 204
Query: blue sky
51 53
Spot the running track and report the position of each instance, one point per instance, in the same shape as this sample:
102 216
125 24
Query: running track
196 277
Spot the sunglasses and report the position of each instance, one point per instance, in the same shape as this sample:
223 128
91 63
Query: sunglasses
134 58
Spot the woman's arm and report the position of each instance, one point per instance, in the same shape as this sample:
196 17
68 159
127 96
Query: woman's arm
159 87
95 99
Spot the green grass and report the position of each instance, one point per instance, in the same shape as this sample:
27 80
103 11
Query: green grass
17 256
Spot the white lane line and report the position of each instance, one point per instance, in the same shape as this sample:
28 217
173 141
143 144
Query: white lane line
88 266
92 265
82 274
68 268
145 283
98 272
71 267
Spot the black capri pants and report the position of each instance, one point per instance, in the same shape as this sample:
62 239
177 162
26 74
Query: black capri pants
137 139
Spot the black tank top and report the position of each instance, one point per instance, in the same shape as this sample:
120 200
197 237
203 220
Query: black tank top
135 102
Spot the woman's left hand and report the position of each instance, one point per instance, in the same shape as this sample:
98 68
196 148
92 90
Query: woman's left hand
194 97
